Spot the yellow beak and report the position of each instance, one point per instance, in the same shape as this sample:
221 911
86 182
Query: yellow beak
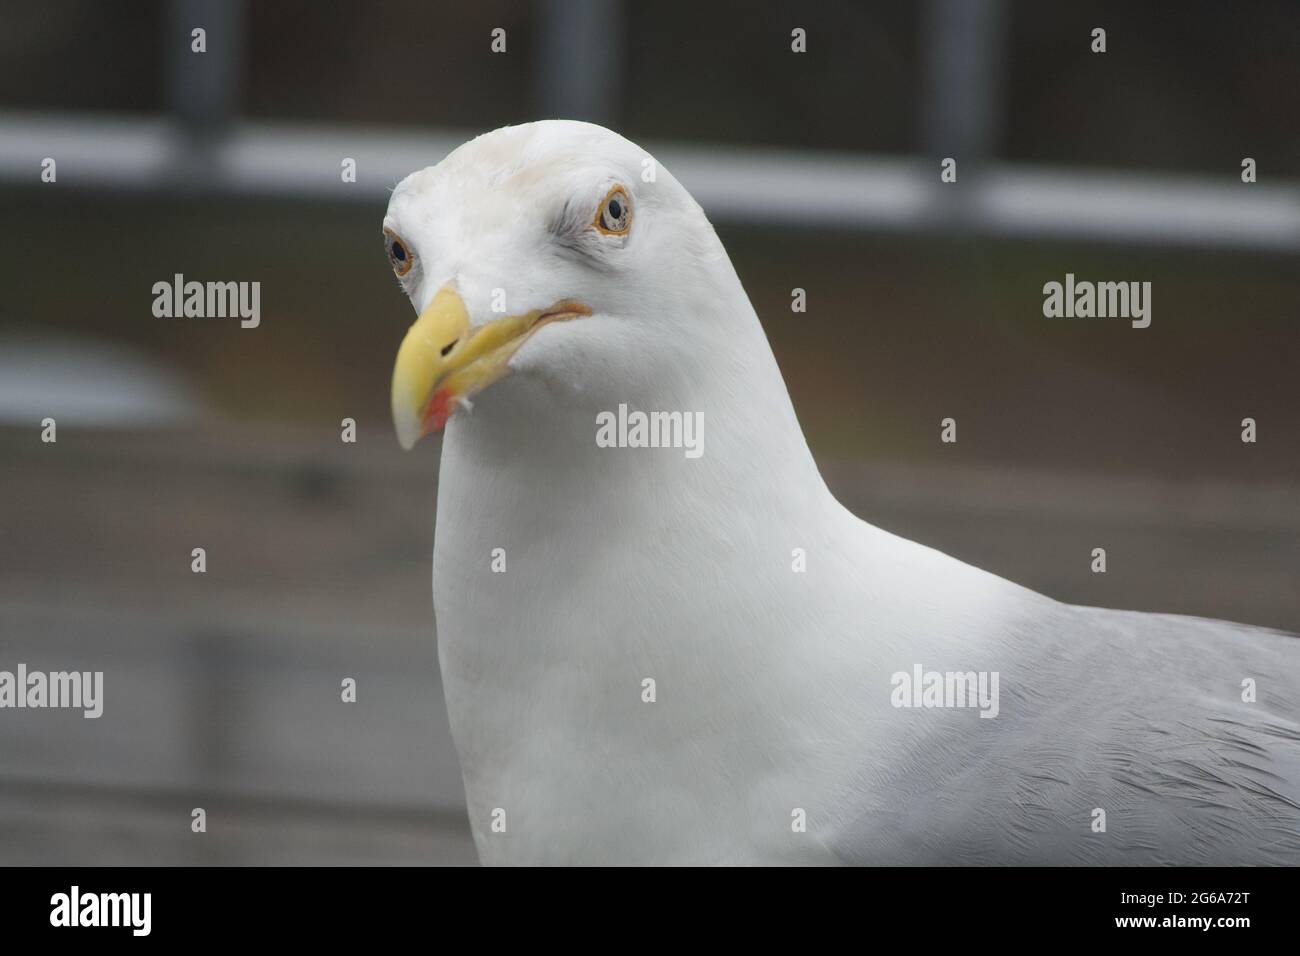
443 361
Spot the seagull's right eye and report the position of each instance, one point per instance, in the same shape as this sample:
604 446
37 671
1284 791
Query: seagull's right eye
399 254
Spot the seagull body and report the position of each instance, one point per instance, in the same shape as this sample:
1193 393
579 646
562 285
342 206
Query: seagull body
637 669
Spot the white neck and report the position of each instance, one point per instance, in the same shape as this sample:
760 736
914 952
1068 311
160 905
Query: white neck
543 665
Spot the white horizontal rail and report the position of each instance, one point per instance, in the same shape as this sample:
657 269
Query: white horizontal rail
759 186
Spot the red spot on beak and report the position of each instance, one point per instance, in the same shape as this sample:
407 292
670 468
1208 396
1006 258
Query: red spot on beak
437 411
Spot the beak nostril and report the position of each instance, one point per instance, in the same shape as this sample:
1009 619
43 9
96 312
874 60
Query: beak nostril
449 347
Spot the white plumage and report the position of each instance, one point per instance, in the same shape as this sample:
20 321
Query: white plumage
773 687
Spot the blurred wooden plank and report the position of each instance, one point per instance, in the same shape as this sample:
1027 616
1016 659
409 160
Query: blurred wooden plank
289 515
226 685
77 826
226 704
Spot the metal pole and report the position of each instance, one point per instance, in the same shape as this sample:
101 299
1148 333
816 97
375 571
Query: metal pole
962 105
580 58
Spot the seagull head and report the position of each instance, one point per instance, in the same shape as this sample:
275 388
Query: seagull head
554 249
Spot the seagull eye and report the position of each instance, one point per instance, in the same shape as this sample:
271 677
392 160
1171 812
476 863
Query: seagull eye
398 254
614 217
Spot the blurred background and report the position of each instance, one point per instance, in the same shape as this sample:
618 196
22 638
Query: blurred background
820 171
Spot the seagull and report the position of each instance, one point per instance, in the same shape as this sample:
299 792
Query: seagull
656 657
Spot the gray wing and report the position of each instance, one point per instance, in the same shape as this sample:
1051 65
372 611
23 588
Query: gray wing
1144 717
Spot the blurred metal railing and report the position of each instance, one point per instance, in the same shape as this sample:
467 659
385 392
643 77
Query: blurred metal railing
201 147
777 187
